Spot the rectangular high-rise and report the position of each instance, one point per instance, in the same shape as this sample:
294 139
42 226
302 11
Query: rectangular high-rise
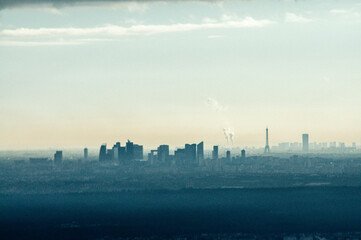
200 152
58 157
215 153
137 152
191 153
305 142
243 154
163 153
228 156
85 153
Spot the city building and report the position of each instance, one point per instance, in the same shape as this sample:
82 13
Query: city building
215 153
163 153
85 153
137 152
243 154
58 157
179 156
200 152
129 150
190 153
116 149
103 153
228 156
305 142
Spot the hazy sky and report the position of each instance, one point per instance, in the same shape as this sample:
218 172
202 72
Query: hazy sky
174 72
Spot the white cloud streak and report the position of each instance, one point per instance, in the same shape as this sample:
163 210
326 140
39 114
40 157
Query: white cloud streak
294 18
117 31
338 11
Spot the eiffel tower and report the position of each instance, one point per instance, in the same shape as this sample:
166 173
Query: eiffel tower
266 148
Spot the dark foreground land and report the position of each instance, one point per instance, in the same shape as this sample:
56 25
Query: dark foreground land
203 214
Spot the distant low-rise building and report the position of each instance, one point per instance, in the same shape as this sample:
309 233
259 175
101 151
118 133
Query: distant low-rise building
58 157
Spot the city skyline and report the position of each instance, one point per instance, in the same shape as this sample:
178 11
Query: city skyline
292 145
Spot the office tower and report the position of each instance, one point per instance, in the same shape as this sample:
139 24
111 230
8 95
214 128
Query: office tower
215 153
266 148
305 143
354 145
137 152
163 153
122 154
103 153
58 157
85 153
152 157
130 150
110 154
115 151
200 152
243 154
228 154
191 153
179 156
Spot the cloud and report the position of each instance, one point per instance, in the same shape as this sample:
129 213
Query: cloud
292 17
39 43
338 11
215 105
134 30
59 42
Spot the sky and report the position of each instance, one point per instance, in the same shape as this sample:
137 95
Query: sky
83 73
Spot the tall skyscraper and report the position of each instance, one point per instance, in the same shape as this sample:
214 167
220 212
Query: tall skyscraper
85 153
122 154
191 153
243 154
163 153
137 152
58 157
267 148
116 151
179 156
103 153
200 152
305 143
215 153
228 156
130 150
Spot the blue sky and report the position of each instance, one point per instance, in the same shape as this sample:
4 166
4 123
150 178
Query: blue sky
175 72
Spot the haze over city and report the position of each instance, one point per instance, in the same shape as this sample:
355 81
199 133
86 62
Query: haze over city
171 119
80 74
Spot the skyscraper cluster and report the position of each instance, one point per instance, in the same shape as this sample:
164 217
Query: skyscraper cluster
125 153
191 154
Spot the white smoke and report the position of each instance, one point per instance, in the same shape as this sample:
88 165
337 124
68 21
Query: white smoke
222 116
228 134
